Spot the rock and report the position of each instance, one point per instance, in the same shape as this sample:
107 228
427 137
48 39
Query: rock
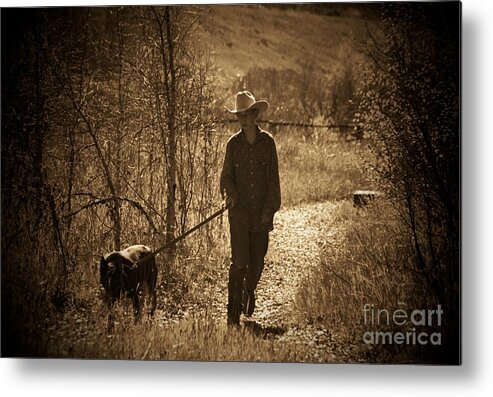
364 197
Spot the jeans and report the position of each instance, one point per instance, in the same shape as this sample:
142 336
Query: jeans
248 250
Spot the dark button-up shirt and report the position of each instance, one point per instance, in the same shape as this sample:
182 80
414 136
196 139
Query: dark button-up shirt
251 174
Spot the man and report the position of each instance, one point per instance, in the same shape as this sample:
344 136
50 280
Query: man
250 186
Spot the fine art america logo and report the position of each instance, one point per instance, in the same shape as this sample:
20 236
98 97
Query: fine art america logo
412 324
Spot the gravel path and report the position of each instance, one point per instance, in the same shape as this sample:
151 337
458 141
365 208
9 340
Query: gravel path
294 250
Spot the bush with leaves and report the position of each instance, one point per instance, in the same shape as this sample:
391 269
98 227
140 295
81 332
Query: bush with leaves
409 111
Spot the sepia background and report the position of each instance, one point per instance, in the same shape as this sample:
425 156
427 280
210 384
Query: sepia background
113 133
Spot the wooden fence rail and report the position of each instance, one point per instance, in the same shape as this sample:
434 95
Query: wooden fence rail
349 130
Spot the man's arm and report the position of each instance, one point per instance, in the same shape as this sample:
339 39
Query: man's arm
273 201
228 181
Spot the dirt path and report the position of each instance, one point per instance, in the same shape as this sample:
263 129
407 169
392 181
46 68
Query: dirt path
294 251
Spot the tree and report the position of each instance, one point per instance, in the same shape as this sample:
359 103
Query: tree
175 75
107 140
410 112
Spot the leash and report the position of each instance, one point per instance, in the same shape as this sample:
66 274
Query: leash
180 237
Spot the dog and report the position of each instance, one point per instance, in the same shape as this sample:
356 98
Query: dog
122 277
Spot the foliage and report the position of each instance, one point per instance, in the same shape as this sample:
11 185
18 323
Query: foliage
92 131
360 265
410 113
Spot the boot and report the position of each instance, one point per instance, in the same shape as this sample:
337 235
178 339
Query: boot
233 313
248 302
235 287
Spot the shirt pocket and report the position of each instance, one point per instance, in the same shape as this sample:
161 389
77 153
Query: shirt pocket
262 165
263 159
241 168
263 171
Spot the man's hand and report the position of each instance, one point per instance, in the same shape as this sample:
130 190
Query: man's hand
231 201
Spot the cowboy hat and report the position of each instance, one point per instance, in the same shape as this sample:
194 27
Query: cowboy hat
246 101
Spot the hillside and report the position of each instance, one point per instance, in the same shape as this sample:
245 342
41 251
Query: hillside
244 36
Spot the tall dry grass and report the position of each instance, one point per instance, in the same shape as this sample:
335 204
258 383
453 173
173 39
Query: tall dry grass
192 338
318 165
372 266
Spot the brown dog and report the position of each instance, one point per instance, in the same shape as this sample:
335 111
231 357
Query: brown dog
122 277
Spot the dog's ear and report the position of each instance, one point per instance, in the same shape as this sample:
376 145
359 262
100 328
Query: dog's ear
115 256
103 268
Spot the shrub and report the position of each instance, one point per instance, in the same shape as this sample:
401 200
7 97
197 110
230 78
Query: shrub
410 113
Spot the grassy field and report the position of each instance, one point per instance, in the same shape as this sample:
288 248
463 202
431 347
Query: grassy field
245 36
321 167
